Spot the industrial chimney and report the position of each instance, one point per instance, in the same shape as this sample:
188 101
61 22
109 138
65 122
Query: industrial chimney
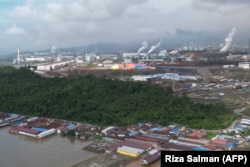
18 56
249 47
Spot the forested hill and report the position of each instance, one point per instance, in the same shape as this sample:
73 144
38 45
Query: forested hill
102 101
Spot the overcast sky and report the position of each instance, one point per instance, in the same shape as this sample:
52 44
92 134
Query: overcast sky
40 24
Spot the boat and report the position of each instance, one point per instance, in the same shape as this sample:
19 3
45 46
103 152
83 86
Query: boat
4 124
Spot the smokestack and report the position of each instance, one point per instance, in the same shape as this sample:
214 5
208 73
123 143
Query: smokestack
228 40
154 47
18 56
143 47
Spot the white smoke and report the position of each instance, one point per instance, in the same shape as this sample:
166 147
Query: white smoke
154 47
173 52
143 47
163 52
228 40
53 49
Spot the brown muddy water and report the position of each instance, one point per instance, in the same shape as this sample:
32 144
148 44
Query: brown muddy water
54 151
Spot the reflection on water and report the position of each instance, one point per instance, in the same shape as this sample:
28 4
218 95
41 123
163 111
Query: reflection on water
52 151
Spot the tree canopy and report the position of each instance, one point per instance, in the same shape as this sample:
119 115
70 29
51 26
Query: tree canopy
103 101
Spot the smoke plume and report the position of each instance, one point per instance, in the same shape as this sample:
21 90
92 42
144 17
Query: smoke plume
228 40
143 47
154 47
173 52
163 52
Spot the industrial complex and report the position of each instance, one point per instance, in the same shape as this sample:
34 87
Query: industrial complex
186 56
186 70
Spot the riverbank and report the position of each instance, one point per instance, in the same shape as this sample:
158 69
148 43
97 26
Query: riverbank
54 151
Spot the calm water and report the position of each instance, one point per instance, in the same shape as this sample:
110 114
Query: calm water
54 151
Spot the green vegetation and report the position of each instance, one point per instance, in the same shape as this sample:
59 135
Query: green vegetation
97 137
246 112
103 101
233 102
210 135
71 133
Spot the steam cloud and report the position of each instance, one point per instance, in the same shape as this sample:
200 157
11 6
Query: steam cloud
163 52
154 47
143 47
173 52
228 40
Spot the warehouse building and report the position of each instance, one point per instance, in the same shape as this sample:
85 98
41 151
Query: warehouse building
151 158
130 151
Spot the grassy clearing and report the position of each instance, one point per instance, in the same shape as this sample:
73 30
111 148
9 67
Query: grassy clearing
246 112
233 103
210 135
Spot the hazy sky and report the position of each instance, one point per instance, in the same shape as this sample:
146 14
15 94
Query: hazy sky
40 24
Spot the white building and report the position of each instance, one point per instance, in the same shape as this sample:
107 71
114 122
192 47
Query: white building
40 59
108 130
244 65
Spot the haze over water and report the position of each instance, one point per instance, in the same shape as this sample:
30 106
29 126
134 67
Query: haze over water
53 151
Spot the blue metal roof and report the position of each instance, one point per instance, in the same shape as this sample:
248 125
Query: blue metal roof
39 129
229 144
175 130
132 133
200 149
17 122
71 126
154 129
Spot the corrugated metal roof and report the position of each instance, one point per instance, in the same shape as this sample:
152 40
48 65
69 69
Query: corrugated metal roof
151 158
229 144
136 144
219 141
172 146
39 129
130 150
113 147
133 133
28 130
200 149
71 126
148 139
154 129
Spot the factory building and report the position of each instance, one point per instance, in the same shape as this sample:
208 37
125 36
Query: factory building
108 130
130 151
52 66
244 65
129 66
39 59
151 158
176 147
